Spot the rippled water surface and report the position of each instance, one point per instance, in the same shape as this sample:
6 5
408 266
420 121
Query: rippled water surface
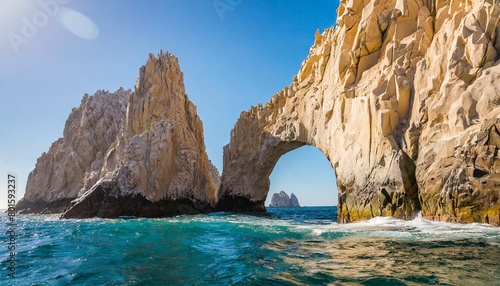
297 246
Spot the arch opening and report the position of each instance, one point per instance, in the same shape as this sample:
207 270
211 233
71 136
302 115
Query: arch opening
307 173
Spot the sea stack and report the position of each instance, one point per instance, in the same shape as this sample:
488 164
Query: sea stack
158 165
153 165
282 199
402 97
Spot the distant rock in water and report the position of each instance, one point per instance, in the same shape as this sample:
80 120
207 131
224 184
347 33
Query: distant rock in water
282 199
294 202
139 153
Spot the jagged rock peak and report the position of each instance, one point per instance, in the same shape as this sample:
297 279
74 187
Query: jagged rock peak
162 71
73 162
139 153
159 165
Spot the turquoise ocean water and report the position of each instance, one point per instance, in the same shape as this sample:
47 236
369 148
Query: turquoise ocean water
296 246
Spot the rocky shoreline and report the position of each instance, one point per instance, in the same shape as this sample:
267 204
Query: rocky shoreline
402 97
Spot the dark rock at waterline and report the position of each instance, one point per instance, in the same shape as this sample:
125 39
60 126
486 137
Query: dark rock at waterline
58 206
103 201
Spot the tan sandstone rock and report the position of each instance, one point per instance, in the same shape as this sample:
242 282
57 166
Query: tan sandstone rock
137 153
158 166
402 97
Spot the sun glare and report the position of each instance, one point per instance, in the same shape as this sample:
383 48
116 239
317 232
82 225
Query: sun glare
78 24
14 10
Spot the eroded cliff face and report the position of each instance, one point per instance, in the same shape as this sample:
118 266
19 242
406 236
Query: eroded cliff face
74 162
457 112
158 166
403 98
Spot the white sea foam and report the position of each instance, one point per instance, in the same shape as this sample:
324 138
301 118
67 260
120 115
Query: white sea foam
376 227
418 228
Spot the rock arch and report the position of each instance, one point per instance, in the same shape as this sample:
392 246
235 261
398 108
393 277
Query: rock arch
405 130
265 133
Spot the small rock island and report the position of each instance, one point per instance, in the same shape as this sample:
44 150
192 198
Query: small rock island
282 199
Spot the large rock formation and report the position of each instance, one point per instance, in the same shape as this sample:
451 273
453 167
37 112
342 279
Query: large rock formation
403 98
158 166
282 199
155 165
74 162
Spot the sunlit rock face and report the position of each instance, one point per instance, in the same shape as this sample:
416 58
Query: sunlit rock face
403 98
139 153
74 162
158 166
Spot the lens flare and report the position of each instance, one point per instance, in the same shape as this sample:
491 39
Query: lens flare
78 24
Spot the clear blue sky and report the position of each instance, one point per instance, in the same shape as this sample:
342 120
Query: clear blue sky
233 53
